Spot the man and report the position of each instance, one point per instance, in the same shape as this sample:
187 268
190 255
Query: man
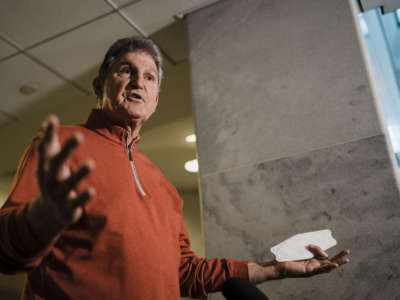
128 241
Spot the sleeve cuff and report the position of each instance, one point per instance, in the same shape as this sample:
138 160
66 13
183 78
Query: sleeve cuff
239 268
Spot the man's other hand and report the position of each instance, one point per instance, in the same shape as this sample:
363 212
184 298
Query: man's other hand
320 263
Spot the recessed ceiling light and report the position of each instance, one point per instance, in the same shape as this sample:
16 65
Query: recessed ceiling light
192 166
191 138
28 89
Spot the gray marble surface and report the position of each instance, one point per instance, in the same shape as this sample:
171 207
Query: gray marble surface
347 188
274 78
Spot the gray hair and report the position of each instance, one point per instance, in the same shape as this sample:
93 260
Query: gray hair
131 44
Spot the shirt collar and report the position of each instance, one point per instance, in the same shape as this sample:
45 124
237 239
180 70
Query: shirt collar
99 123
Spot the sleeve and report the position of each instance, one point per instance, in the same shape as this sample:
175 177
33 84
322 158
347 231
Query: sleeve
20 250
200 276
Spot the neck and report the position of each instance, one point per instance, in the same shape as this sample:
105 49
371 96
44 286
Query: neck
132 126
133 132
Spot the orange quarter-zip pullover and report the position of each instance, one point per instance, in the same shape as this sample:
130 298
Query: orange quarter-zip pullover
130 243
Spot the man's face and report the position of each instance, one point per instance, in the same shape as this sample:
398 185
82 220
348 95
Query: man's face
130 92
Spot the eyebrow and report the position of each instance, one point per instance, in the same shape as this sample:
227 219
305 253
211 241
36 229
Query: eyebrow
125 62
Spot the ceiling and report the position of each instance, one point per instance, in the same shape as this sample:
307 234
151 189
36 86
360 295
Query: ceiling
50 51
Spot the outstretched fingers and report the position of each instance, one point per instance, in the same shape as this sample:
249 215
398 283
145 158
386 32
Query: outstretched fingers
60 158
82 198
48 145
326 264
53 172
317 251
59 199
325 268
341 258
73 180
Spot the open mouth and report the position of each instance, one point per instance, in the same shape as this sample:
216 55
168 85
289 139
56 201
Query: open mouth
134 97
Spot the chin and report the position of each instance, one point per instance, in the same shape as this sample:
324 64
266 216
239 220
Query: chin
137 116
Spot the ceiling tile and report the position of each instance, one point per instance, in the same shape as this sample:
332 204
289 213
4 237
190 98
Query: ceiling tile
81 50
192 5
28 22
175 99
18 71
68 103
173 39
119 3
3 118
152 15
6 50
85 79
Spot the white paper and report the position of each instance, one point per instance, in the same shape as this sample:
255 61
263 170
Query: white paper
295 247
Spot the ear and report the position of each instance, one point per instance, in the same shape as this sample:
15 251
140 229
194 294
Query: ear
155 107
97 85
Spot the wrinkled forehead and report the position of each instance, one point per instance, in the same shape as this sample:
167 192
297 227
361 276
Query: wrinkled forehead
136 59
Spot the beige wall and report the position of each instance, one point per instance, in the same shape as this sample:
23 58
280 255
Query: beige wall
5 184
192 219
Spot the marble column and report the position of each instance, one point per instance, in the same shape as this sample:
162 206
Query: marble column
289 141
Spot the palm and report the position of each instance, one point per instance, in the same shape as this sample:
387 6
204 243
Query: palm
320 263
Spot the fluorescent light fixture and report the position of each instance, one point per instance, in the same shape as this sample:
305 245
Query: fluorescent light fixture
363 25
192 166
191 138
394 135
398 16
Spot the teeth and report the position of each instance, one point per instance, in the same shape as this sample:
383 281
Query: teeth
136 96
133 96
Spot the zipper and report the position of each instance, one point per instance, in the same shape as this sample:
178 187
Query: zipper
135 175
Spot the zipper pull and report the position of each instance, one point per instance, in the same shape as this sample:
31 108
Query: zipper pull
128 148
127 139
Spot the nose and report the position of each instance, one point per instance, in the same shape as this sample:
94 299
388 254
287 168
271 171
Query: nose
137 81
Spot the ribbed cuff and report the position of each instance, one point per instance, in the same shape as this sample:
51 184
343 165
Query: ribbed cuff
239 268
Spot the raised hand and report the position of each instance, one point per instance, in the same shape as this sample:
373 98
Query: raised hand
59 205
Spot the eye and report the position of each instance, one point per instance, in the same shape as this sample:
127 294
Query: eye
123 71
150 77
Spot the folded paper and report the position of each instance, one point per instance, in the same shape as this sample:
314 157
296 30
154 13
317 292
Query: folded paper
295 247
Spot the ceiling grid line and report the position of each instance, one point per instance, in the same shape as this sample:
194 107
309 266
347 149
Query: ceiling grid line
15 45
184 13
138 29
80 25
8 115
49 39
3 112
117 9
10 56
53 37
